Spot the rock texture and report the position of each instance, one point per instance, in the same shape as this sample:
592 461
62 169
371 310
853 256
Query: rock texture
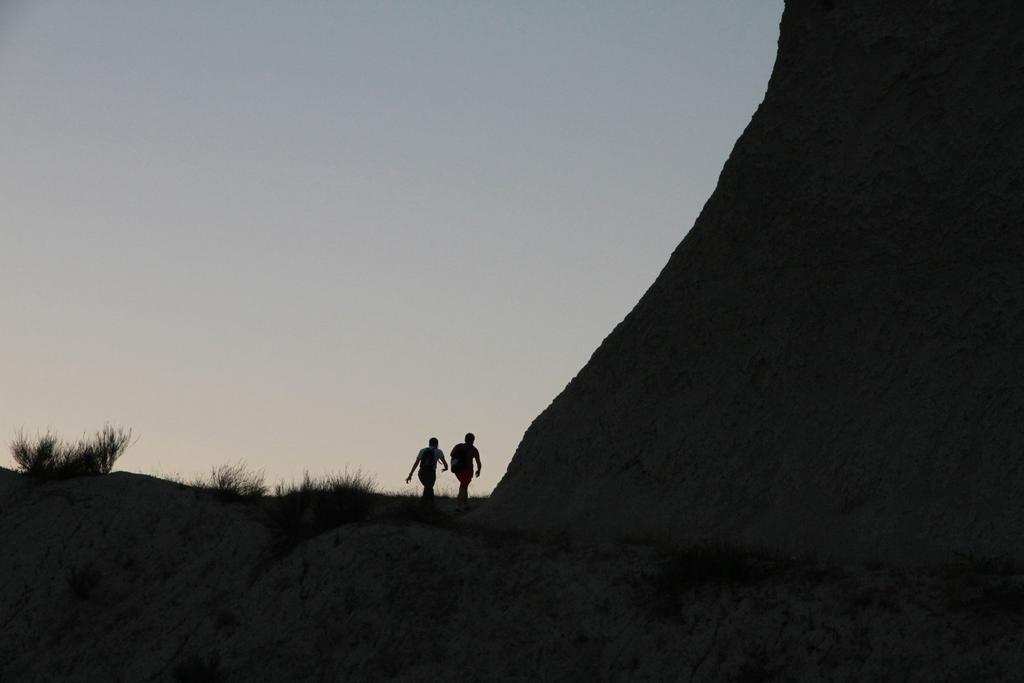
831 361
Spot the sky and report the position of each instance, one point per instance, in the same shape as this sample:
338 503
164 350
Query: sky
310 235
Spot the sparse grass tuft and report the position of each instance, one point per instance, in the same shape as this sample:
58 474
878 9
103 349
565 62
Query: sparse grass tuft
196 669
98 455
47 457
234 483
342 499
36 459
316 505
288 512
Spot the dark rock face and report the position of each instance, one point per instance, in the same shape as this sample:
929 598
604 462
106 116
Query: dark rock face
832 361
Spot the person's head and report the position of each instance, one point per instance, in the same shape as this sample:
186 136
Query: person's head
433 442
470 438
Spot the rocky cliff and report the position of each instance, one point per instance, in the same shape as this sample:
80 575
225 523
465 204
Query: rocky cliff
830 362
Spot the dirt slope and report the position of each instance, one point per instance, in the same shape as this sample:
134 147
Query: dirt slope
178 575
830 361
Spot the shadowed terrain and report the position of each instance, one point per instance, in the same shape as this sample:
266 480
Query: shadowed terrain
124 577
798 457
829 363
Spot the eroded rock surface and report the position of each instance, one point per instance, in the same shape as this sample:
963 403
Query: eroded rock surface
830 363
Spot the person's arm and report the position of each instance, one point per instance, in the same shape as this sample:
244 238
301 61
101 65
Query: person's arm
440 457
476 455
415 463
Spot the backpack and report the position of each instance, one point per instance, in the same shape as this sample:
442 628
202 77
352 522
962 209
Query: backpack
429 460
461 459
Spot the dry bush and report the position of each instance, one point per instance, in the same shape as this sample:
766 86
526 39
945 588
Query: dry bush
288 512
234 483
342 499
36 458
98 454
47 457
316 505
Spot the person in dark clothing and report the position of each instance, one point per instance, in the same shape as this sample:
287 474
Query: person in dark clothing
463 456
426 461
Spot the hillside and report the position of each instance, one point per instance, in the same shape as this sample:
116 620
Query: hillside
828 363
128 578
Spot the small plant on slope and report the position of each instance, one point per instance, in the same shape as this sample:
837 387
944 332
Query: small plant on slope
234 482
342 499
38 458
300 511
47 457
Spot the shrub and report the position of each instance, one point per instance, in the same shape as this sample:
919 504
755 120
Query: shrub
47 457
196 669
342 499
36 459
98 455
314 506
234 483
287 514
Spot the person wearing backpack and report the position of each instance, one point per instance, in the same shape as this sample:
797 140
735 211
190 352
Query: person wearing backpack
463 456
427 460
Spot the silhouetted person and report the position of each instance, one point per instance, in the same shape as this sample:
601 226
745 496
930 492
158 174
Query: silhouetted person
427 460
463 456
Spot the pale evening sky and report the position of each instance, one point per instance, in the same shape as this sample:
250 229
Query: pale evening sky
311 235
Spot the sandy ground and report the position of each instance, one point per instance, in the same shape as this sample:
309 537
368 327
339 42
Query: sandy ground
171 575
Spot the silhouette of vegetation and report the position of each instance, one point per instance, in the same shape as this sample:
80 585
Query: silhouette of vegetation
48 457
342 499
304 510
82 580
288 512
196 669
234 483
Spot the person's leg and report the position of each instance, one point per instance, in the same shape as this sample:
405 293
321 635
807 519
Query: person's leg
464 478
427 478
